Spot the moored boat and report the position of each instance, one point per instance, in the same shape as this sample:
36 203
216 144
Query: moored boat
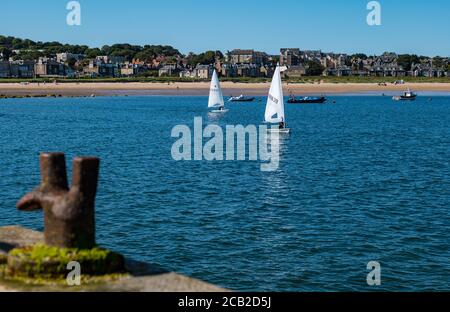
407 96
307 100
241 98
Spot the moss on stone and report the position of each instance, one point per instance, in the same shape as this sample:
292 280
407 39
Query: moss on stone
3 258
86 280
3 268
49 262
41 252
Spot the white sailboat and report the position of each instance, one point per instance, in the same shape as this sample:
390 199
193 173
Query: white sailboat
215 96
275 104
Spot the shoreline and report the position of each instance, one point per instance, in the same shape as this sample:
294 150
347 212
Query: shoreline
18 90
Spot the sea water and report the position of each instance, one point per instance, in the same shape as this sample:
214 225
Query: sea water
362 179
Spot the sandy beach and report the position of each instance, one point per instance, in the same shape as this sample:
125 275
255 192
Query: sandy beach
201 88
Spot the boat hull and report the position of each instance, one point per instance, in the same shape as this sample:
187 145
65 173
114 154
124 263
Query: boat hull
308 101
280 131
403 98
242 100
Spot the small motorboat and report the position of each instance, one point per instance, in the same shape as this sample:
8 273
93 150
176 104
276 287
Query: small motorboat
241 98
307 100
407 96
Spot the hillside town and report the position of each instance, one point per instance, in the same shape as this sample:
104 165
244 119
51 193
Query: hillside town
27 60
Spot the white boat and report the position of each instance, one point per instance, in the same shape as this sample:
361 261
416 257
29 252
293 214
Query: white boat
241 98
407 96
215 101
275 104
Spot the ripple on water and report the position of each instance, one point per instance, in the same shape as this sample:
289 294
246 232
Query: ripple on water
364 179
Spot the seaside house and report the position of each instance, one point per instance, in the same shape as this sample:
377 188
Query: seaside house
426 70
295 71
266 71
17 69
50 68
239 56
204 71
110 59
297 62
244 70
200 72
106 66
64 57
310 55
248 70
97 68
129 69
5 71
188 73
229 70
339 71
169 70
290 57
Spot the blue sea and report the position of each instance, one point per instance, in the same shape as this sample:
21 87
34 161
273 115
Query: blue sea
362 179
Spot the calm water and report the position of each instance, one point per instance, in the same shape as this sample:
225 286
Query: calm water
364 179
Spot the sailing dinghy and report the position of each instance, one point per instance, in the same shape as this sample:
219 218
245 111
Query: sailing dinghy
215 101
275 104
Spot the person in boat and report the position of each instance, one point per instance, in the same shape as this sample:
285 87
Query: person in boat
281 125
292 97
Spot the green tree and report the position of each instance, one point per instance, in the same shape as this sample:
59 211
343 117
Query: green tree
148 73
17 43
28 55
206 58
314 68
71 63
359 56
406 61
93 53
275 60
149 52
7 53
82 64
438 62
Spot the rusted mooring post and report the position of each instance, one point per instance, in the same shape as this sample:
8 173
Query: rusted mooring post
69 213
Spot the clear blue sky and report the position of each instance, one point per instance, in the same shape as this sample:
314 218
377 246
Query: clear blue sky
408 26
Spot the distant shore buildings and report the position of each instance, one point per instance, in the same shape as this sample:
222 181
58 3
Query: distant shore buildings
233 64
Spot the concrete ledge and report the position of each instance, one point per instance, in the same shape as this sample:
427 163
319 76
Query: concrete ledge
144 277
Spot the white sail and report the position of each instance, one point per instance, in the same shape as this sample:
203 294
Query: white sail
215 93
275 101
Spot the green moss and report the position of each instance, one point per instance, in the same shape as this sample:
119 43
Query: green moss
3 268
23 282
3 258
60 281
41 252
44 261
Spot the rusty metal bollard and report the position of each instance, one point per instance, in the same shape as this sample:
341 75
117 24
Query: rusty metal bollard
69 213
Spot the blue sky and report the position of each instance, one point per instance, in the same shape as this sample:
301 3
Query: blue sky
408 26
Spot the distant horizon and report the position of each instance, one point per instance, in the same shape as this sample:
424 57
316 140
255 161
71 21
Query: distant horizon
416 27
